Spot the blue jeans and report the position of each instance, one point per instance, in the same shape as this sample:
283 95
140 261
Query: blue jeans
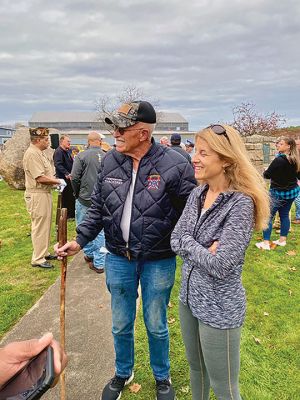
156 279
92 249
297 204
283 207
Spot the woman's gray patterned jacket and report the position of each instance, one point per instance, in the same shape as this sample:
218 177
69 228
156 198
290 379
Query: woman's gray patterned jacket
211 284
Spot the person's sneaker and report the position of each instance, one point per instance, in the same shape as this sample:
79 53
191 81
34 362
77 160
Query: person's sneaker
113 390
278 243
263 246
164 390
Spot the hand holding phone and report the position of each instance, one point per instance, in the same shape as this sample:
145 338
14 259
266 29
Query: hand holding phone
17 355
33 380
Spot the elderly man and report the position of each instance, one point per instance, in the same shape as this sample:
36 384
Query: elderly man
138 198
39 180
63 162
86 167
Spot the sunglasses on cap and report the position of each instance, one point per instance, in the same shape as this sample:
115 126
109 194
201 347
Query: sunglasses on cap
219 130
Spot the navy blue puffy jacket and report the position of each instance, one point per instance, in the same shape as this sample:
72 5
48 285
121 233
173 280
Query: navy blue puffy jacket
163 183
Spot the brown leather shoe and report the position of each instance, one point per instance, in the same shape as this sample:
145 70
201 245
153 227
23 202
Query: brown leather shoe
93 268
88 259
296 221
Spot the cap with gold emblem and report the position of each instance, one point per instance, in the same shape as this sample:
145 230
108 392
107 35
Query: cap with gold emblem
39 132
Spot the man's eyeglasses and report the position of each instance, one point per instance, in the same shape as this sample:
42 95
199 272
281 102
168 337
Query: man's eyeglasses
219 130
124 130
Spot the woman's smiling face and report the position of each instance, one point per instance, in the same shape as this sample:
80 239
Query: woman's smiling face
207 163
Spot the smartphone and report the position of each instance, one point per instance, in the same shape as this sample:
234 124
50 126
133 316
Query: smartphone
32 381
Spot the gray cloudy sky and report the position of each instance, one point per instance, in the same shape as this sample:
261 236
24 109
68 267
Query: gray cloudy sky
197 57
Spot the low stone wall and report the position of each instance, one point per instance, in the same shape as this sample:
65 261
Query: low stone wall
261 150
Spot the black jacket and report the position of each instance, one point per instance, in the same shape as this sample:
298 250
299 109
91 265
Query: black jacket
283 175
63 162
163 183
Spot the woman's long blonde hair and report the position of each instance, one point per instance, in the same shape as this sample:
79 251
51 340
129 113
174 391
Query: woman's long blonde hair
242 176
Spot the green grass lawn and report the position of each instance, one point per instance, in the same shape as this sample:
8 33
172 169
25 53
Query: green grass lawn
20 284
270 339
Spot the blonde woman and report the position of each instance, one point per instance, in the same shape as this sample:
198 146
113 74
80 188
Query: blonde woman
283 172
212 236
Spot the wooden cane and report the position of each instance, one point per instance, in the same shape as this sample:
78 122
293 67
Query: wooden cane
57 217
62 234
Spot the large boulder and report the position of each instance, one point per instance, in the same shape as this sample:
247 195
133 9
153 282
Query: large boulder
11 157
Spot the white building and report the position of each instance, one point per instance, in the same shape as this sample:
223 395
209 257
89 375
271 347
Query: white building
79 124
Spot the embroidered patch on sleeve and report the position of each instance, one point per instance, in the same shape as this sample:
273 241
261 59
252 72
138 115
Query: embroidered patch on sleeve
153 182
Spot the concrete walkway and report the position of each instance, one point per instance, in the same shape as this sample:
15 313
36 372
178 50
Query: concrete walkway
88 330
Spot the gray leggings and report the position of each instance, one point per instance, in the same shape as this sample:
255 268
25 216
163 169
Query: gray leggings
213 356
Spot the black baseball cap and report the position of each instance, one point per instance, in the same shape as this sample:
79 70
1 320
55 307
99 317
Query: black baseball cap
131 113
176 138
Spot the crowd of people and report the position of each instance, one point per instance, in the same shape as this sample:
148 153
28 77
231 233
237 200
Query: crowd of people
153 202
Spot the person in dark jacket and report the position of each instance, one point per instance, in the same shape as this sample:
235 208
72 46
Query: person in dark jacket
63 162
84 173
283 172
212 236
176 145
138 198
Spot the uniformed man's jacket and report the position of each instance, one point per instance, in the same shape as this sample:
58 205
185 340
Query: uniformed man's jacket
35 164
163 183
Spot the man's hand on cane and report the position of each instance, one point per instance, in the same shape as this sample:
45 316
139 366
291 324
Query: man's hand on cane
68 249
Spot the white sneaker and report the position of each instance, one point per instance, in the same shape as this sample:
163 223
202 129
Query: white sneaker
278 243
263 245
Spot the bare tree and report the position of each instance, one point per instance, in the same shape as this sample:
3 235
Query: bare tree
248 121
129 94
107 104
